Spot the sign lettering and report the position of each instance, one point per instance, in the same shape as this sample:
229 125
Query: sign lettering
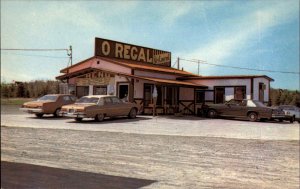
114 49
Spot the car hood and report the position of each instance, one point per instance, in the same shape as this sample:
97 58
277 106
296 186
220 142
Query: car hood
35 104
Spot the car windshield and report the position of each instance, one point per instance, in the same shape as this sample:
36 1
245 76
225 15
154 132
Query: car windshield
259 104
88 100
48 98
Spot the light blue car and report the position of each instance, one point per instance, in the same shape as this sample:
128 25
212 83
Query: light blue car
292 111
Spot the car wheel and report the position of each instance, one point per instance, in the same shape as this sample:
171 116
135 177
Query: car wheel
39 115
132 113
56 113
78 119
99 117
292 119
252 116
280 120
212 113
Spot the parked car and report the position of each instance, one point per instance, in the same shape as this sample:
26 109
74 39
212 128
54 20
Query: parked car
292 111
251 109
99 107
48 104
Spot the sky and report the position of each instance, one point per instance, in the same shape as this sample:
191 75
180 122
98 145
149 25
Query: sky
260 34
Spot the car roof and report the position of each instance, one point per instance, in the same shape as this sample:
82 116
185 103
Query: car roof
99 96
59 94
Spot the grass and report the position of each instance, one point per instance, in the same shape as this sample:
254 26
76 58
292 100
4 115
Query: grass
14 101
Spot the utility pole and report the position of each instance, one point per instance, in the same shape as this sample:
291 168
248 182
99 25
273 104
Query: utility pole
70 54
198 67
178 67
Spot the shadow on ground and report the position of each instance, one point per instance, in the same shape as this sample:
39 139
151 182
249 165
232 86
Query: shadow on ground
110 120
20 175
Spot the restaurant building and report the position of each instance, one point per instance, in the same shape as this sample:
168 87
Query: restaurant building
132 72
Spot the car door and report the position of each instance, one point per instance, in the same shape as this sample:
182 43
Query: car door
120 108
108 107
232 109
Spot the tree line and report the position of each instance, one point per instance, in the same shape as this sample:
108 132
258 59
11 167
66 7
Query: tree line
34 89
284 97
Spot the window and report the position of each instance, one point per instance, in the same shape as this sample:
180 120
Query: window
107 101
234 102
73 98
48 98
240 93
200 97
100 90
172 95
159 96
91 100
82 91
66 99
147 94
115 100
101 102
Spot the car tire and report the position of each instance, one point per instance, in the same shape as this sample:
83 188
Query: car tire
99 117
212 113
132 113
78 119
56 113
280 120
292 119
39 115
252 116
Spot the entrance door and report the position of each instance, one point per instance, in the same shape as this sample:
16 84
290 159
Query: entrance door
123 91
261 92
219 95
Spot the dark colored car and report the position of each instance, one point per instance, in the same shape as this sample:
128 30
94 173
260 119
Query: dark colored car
251 109
48 104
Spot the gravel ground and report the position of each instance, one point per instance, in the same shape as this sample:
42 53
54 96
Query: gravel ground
161 152
170 161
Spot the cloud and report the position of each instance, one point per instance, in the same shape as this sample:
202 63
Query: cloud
174 11
241 31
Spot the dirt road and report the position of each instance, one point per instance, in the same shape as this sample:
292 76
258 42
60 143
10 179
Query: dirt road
170 161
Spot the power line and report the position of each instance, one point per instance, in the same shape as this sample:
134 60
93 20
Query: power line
44 56
236 67
69 51
5 49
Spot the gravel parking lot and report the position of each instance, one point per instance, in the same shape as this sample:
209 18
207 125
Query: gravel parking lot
162 152
161 125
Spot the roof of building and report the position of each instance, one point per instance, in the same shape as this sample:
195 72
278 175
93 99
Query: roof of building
156 80
225 77
136 66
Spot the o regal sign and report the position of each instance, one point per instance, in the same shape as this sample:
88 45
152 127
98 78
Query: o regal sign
114 49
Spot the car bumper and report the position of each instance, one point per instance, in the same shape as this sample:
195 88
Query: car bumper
279 116
74 115
32 110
